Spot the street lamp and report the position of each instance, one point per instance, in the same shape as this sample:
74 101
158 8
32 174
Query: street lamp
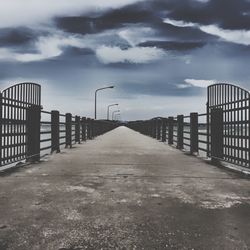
114 113
111 105
109 87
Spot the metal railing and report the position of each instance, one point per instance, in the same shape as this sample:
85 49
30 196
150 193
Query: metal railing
222 133
27 131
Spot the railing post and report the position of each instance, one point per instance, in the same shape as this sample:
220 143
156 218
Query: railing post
89 128
33 119
55 127
164 129
158 129
180 119
68 130
208 130
83 121
194 143
170 130
92 122
78 128
1 127
216 134
155 128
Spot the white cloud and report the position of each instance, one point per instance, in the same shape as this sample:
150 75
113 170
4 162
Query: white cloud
200 83
235 36
132 55
29 12
178 23
136 35
47 47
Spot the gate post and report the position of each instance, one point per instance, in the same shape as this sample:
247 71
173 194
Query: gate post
164 130
83 122
194 143
68 130
216 134
180 119
55 141
33 119
170 130
77 132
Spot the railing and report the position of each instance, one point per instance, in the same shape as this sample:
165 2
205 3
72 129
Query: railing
222 133
27 131
184 132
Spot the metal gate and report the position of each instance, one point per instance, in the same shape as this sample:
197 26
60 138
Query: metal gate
14 102
233 103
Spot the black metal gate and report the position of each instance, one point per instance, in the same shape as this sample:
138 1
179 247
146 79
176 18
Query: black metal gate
14 103
229 119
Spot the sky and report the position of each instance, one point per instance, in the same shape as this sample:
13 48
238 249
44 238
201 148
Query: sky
160 54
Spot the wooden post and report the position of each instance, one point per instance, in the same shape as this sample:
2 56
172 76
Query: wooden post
170 130
55 127
68 130
216 134
33 117
180 119
194 143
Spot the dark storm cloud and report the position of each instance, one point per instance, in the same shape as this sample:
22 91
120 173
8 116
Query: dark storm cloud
114 18
228 14
16 36
173 45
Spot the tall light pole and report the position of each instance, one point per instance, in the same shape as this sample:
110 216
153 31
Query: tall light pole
114 113
111 105
109 87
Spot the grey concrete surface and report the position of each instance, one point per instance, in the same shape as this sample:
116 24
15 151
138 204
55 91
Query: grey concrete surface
124 190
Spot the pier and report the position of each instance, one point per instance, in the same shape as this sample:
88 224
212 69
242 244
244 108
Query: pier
70 182
124 190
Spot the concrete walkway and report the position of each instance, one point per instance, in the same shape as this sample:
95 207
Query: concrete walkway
124 190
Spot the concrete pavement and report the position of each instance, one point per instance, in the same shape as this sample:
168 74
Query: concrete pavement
124 190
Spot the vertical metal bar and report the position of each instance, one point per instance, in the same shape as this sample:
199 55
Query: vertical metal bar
33 133
158 127
164 125
68 130
55 133
77 128
170 130
1 129
216 134
83 122
180 129
194 140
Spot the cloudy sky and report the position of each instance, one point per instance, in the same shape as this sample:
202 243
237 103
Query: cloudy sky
160 54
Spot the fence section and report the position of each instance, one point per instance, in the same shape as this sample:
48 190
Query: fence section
222 133
26 130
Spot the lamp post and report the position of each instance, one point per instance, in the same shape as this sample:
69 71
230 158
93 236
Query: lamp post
109 87
114 113
111 105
